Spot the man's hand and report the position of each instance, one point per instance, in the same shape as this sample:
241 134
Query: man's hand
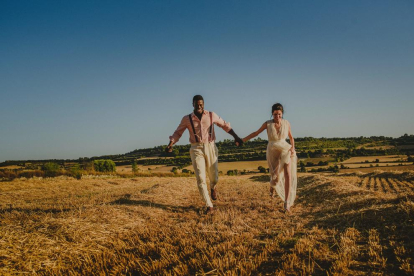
168 149
239 142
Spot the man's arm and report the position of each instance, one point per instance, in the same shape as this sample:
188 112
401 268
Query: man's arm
227 128
177 134
237 140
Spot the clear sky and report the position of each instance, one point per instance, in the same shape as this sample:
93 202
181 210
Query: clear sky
89 78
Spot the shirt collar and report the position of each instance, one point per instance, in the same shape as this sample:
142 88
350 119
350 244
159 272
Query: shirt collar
205 112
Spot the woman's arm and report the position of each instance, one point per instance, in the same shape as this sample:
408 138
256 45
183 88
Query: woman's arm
254 134
292 141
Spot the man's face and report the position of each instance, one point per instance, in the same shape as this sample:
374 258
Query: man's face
198 106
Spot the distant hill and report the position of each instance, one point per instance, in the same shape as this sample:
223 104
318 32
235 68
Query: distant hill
340 148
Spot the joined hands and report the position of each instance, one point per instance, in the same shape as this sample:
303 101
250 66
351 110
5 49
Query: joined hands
239 142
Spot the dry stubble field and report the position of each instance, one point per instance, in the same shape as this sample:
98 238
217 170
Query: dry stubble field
347 224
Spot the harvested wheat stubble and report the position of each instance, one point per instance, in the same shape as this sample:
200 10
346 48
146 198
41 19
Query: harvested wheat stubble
364 183
372 183
156 225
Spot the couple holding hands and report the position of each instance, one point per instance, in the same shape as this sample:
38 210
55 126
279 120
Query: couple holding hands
280 155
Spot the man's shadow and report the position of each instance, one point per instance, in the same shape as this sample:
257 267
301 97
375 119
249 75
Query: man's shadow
126 200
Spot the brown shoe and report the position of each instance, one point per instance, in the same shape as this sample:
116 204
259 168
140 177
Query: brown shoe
213 194
209 210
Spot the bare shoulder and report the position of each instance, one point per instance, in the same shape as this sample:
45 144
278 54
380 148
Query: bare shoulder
264 125
288 124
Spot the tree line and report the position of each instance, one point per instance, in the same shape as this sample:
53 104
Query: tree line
307 147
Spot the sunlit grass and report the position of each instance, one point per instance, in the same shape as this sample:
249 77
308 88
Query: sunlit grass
156 225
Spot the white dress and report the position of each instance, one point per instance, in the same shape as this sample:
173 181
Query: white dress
277 156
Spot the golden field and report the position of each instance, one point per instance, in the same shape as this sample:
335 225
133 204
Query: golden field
386 158
341 224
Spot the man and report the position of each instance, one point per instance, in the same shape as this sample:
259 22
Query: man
203 151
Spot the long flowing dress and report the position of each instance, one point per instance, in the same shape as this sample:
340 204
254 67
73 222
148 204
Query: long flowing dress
278 155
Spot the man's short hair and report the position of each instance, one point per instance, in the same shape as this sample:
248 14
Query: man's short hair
197 98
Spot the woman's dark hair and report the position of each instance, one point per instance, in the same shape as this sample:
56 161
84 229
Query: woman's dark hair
277 106
197 98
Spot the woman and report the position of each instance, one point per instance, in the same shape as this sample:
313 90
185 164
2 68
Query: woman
280 155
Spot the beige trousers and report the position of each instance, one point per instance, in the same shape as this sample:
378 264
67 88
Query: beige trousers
204 157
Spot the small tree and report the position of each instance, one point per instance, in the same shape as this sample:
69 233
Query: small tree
51 169
262 169
302 167
134 167
76 171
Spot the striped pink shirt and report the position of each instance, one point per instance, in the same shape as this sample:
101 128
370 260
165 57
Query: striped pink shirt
201 128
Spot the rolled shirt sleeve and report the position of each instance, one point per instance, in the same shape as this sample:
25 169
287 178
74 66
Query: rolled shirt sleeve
180 130
221 123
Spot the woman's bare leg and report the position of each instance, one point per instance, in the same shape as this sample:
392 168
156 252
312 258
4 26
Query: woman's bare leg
287 183
274 163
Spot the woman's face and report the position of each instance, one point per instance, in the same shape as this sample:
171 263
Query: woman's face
277 115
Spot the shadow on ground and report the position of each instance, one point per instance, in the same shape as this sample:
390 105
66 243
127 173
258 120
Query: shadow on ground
126 200
28 211
260 178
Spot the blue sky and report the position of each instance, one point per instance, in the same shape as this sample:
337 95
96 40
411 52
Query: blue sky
89 78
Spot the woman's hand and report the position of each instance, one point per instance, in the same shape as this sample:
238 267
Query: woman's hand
292 150
245 139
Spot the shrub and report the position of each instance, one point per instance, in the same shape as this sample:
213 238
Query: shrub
8 174
51 169
104 165
88 166
261 169
76 172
